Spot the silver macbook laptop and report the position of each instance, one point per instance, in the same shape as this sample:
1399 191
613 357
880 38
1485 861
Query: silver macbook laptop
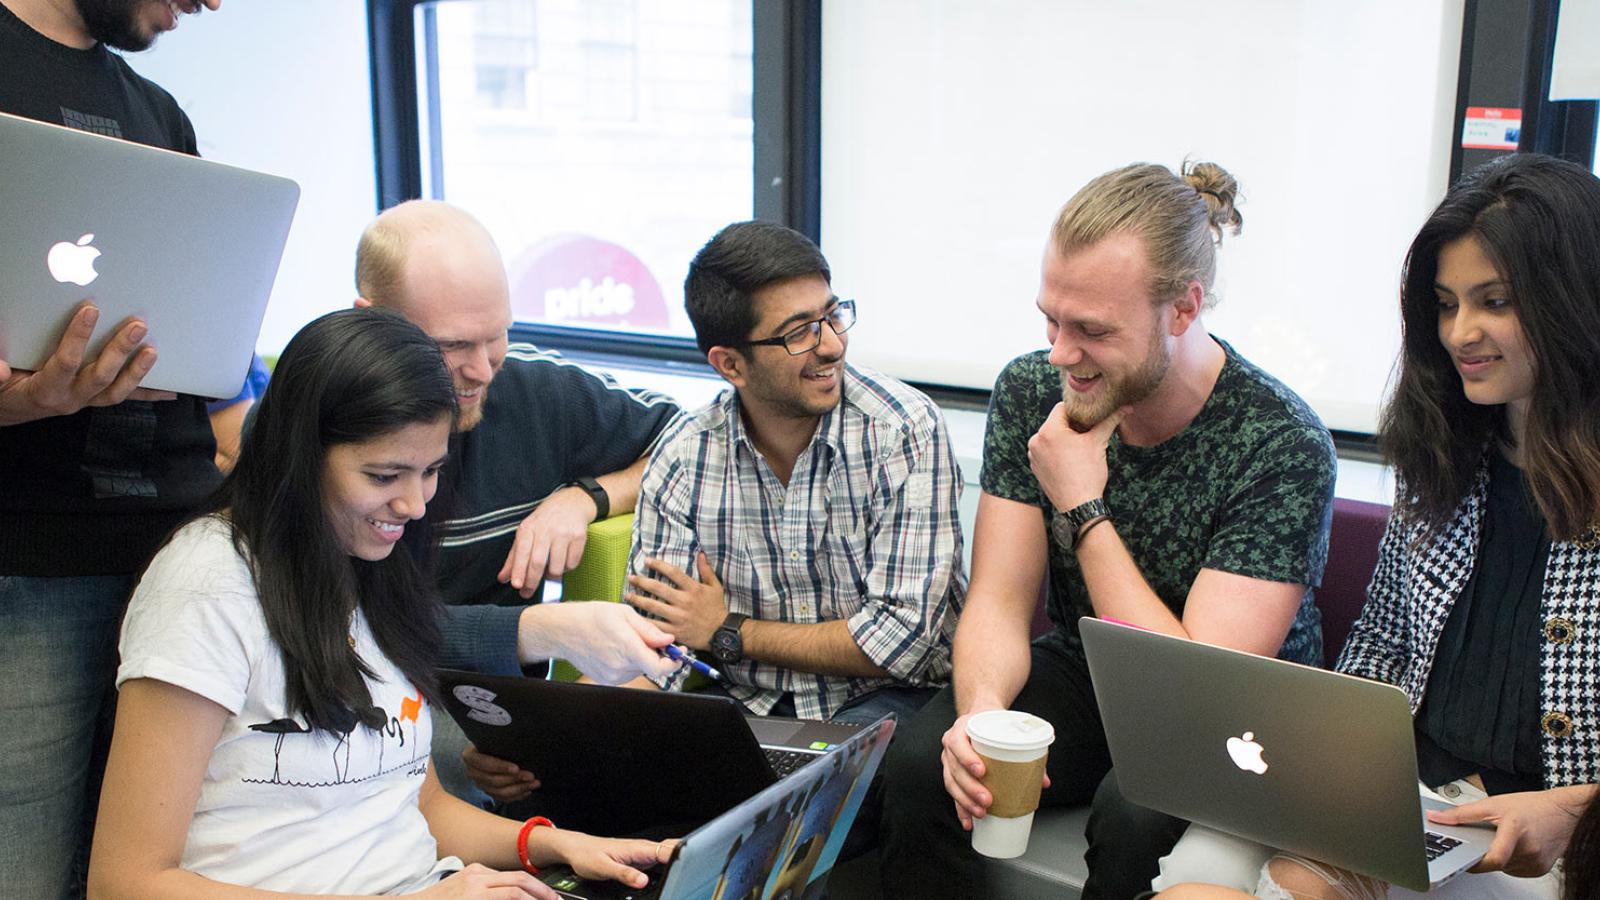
1302 759
779 844
189 246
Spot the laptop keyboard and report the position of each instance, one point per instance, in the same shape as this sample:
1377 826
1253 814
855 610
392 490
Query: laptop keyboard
1438 845
786 762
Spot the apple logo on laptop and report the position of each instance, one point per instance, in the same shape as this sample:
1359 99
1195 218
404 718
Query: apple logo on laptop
1246 753
73 262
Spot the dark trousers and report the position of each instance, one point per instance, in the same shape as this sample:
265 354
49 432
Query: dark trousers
904 702
924 851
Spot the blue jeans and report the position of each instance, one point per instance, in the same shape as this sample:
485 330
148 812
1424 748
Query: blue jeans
58 659
904 702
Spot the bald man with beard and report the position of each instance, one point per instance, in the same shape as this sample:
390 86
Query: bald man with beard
543 447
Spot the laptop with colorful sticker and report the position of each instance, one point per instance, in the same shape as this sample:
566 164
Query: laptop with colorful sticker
777 845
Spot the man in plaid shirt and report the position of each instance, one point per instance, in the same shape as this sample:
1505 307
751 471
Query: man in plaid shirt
801 530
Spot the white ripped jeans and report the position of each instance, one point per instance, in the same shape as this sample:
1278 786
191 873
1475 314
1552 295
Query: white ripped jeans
1207 856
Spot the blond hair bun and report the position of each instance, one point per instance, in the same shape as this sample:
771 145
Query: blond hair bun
1219 190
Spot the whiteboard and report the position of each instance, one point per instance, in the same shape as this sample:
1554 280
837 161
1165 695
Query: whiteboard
953 131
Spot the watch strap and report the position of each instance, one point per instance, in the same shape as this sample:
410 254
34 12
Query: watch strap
731 649
1073 522
597 493
1081 533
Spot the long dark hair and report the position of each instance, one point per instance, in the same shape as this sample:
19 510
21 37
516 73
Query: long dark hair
1580 879
347 377
1538 220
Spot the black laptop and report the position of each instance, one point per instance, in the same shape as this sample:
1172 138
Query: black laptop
620 761
780 844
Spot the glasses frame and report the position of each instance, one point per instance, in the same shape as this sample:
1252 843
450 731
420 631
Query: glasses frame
811 330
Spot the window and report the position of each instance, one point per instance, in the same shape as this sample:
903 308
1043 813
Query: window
601 141
505 48
610 51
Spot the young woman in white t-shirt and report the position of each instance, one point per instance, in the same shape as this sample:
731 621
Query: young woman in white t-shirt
276 681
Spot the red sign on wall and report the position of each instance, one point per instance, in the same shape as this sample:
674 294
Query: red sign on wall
1491 128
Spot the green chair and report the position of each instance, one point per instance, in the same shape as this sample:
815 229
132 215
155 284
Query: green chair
600 575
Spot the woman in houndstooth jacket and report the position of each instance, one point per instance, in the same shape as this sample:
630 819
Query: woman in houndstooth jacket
1485 605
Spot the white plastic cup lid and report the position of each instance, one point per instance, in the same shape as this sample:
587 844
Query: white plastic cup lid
1008 729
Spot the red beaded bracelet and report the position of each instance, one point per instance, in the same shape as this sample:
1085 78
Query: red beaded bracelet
522 842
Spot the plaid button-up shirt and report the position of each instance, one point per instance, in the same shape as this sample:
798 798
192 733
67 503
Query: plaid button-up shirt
866 530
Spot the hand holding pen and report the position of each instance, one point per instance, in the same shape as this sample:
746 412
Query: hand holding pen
676 654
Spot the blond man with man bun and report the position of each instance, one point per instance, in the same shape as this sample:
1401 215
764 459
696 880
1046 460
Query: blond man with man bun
1155 476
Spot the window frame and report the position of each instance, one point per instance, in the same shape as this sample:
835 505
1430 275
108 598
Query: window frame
787 113
785 180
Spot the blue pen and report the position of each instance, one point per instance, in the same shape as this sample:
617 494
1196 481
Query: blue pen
676 655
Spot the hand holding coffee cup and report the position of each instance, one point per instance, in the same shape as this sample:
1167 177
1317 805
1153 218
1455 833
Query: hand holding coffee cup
1014 747
963 771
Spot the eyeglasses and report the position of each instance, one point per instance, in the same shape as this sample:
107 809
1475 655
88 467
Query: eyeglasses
807 336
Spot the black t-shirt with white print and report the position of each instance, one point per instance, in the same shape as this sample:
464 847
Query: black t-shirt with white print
93 493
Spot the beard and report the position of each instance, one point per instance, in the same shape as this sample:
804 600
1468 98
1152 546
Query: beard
777 394
472 415
115 23
1084 411
789 406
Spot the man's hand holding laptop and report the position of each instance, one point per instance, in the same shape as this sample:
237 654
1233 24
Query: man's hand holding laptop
69 382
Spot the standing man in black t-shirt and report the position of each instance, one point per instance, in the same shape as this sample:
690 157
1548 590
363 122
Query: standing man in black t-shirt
95 470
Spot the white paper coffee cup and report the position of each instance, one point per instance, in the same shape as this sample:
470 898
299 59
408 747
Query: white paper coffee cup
1014 746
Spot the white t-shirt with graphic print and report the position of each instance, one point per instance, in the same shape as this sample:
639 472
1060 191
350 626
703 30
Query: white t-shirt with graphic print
281 808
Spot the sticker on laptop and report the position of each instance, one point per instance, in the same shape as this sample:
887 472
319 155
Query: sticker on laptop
479 708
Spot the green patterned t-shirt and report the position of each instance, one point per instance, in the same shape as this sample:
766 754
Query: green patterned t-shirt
1246 488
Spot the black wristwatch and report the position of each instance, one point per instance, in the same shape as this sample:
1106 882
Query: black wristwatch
726 644
1067 526
602 500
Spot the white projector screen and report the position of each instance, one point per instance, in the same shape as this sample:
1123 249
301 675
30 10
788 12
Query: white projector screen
953 131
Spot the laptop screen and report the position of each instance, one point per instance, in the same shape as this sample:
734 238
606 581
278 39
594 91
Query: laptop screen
785 839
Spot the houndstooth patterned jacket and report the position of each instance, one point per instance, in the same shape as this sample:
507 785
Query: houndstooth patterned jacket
1417 580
